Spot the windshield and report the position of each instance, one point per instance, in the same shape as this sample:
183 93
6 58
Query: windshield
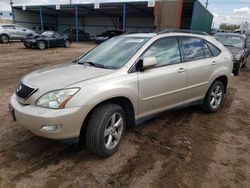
115 52
230 41
47 33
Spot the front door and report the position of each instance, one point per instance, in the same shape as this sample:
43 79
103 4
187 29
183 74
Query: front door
163 86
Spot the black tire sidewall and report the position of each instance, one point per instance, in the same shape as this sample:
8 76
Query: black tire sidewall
97 127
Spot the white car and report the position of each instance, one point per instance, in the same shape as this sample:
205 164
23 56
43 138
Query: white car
118 83
13 32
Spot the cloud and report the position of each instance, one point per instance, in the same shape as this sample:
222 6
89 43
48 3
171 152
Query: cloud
244 10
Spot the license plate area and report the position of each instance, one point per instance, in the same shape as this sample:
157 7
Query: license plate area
12 112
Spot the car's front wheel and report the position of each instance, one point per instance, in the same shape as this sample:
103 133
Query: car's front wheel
214 97
41 45
105 129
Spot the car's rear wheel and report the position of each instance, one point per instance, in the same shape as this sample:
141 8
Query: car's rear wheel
106 129
41 45
67 43
214 97
4 38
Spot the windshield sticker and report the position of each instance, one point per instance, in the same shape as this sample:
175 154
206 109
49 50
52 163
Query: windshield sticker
135 41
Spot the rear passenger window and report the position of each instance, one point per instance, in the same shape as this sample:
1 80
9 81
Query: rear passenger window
193 49
207 51
215 51
166 51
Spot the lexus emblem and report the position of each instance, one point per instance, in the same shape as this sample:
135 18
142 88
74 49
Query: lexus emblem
18 88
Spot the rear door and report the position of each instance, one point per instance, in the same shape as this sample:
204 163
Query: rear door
59 39
163 86
200 63
11 31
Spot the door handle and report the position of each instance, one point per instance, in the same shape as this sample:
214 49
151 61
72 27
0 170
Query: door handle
182 69
213 63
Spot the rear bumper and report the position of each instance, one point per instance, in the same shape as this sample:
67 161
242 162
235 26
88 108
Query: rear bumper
34 118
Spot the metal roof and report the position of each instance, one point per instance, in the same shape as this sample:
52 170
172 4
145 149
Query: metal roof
106 9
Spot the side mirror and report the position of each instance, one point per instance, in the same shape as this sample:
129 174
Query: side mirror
146 63
247 45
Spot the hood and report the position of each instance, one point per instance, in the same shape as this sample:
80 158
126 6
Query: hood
234 50
60 76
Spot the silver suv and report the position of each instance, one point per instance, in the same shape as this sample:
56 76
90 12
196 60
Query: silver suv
13 32
118 83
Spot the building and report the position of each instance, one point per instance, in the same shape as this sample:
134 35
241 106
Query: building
5 17
129 16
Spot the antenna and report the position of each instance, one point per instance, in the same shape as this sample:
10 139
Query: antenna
206 3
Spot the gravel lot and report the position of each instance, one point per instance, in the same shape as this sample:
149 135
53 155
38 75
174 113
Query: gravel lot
182 148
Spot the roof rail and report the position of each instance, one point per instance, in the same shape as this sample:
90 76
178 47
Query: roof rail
182 31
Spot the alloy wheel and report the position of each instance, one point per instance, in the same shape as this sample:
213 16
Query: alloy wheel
113 131
4 39
216 97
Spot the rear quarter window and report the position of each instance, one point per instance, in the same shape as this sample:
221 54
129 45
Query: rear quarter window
215 51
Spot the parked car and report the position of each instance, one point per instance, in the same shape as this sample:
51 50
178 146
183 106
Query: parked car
120 82
237 44
13 32
107 35
83 36
47 39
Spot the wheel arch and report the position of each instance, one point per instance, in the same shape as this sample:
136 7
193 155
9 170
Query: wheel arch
224 80
124 102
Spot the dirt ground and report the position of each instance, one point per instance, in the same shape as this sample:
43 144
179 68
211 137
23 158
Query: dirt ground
182 148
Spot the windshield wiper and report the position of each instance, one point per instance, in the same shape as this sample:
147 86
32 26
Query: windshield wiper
93 64
230 45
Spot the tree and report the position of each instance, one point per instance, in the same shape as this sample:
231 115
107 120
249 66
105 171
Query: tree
232 27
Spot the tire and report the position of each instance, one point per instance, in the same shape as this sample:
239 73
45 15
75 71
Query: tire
27 46
237 71
100 123
67 43
214 97
41 45
244 64
4 38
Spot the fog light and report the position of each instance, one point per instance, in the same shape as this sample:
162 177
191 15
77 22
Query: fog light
51 128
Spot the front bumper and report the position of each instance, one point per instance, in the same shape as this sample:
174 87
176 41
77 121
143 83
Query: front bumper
29 43
34 117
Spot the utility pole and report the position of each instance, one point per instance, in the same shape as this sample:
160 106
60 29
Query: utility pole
206 3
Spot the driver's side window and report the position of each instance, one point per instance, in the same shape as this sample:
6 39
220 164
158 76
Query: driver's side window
165 50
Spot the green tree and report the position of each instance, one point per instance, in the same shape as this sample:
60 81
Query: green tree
232 27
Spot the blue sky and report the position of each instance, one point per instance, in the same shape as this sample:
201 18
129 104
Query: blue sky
225 11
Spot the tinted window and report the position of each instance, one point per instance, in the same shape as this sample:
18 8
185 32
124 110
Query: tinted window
215 51
233 41
166 51
8 27
192 48
207 51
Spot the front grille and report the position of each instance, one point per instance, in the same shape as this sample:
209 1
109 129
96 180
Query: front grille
23 91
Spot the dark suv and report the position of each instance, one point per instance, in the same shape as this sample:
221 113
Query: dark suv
237 44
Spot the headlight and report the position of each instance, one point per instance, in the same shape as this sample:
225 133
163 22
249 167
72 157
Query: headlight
56 99
237 57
